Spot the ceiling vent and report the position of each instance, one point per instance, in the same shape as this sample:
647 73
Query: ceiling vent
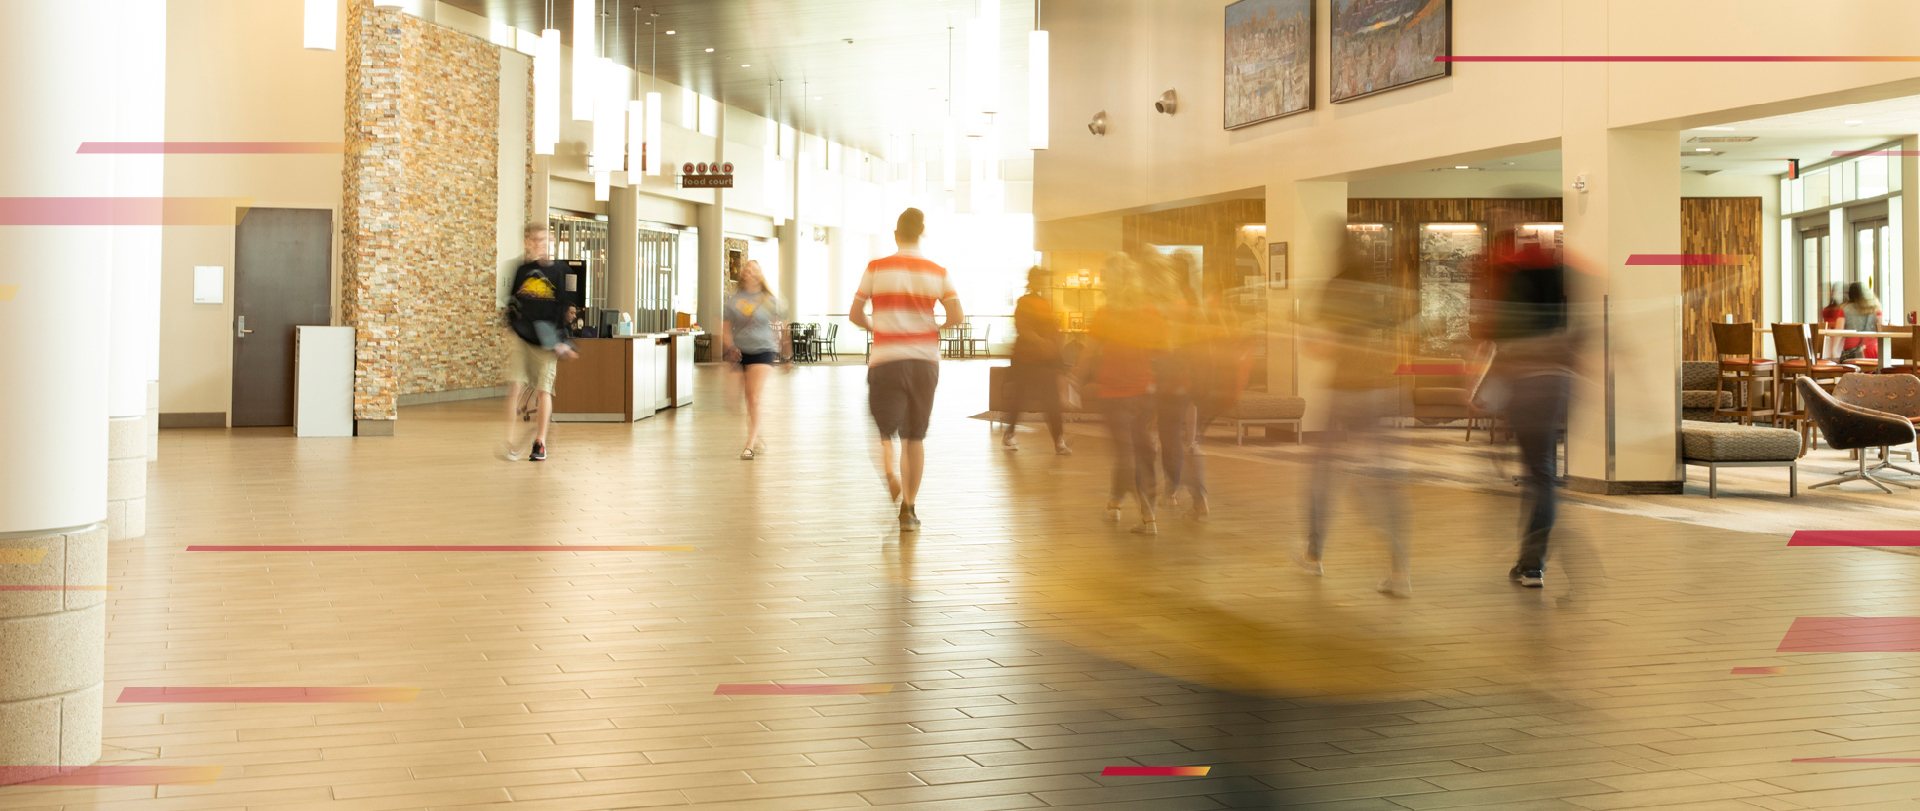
1721 139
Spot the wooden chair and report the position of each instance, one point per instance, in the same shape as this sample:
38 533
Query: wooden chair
1750 377
1902 349
1794 348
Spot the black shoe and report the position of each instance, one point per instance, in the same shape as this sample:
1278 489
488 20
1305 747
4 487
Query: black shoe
539 452
908 521
1530 578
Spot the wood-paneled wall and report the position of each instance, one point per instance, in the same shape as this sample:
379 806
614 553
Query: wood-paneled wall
1212 226
1722 225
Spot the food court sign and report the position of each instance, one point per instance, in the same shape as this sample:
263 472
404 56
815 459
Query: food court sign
706 175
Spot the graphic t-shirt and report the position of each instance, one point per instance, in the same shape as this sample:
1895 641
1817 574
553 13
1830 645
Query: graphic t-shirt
903 288
750 318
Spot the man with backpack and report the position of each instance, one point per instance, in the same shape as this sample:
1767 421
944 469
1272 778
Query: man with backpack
536 311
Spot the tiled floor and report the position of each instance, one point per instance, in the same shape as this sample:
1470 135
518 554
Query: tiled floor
1027 644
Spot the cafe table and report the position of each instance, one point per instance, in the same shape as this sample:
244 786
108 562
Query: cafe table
1885 338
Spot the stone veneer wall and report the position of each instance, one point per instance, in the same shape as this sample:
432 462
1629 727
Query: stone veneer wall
421 204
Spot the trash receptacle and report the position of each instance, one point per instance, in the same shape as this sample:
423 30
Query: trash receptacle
702 349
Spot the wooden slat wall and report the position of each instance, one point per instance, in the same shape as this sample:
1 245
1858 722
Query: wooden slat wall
1406 215
1724 225
1211 225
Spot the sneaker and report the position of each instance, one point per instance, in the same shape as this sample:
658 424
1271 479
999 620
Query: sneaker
1147 527
1530 578
505 452
1300 559
1112 512
908 521
1396 586
539 452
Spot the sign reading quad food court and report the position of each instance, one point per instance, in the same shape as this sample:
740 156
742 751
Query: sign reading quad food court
706 175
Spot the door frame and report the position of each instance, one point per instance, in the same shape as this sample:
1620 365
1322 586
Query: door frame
231 245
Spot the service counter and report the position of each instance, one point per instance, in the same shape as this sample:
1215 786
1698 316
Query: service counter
624 378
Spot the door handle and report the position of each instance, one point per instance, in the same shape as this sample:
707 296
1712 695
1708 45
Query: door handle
240 328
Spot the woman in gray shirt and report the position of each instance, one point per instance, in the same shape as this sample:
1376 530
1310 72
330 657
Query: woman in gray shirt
747 337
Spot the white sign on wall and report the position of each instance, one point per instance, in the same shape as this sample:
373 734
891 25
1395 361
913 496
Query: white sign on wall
209 284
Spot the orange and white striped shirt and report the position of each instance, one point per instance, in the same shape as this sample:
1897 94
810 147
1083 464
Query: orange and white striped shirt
903 288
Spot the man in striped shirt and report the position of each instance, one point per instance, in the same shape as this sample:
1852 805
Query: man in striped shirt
904 366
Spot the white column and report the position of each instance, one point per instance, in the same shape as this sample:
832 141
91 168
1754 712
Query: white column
1623 419
61 63
133 325
790 232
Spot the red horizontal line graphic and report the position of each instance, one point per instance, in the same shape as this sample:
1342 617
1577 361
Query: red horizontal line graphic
802 689
1855 537
123 210
1855 153
58 588
1754 671
1857 760
447 548
1155 771
1611 58
1852 635
1686 259
213 148
110 775
268 695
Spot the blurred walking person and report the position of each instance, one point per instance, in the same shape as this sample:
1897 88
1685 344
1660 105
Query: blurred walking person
537 316
1528 379
747 339
1127 335
1355 327
1174 372
904 367
1036 366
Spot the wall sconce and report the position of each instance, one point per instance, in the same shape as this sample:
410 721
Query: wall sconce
1580 183
1098 125
1168 103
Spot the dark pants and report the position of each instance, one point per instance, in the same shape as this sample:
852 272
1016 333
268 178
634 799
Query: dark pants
1537 414
1036 387
1179 457
1128 419
900 395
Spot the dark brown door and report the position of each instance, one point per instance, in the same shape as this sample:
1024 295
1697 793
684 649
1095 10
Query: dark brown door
282 260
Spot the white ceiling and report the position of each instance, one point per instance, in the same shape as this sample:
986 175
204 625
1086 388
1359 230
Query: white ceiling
891 78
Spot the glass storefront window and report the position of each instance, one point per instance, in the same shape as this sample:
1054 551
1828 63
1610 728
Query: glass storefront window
1816 189
1844 174
1873 176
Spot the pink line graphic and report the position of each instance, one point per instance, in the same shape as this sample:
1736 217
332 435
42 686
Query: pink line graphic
1857 760
453 548
213 148
1755 671
1859 537
1155 771
1686 259
802 689
1852 635
110 775
268 695
123 210
1676 59
59 588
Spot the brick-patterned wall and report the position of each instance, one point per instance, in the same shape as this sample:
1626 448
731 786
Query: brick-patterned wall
421 199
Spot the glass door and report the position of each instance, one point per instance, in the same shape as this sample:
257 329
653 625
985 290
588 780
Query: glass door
1870 258
1815 271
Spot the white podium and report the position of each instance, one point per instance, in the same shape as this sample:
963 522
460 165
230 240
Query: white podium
323 381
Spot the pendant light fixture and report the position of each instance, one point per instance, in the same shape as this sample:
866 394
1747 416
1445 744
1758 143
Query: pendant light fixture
602 186
1037 54
322 23
983 66
949 151
583 54
652 148
609 109
546 88
636 114
775 179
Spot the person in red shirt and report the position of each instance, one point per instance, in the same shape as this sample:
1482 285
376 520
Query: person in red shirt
1127 335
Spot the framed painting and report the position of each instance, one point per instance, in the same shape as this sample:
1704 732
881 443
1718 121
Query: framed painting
1381 45
1451 254
1277 265
1269 60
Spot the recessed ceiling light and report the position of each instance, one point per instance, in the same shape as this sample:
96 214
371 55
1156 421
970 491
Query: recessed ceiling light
1854 122
1703 149
816 98
746 66
709 50
1463 167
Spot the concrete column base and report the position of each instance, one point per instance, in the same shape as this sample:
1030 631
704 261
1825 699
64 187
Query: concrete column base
53 647
126 477
153 420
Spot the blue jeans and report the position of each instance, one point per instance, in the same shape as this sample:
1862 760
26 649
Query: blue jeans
1129 420
1537 413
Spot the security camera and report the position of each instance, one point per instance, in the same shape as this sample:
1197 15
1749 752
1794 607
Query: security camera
1098 125
1169 102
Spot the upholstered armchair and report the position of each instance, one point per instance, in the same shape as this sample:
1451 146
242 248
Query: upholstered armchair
1896 394
1852 427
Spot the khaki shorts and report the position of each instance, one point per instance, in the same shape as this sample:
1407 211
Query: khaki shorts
530 365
